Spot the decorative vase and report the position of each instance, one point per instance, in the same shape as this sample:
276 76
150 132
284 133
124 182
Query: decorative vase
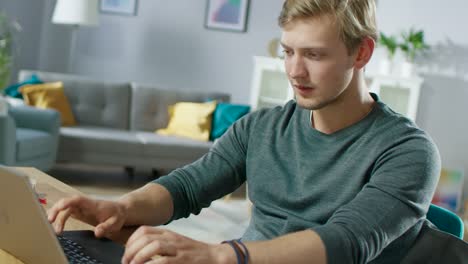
407 69
385 67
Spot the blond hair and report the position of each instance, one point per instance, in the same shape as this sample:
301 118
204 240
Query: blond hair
355 18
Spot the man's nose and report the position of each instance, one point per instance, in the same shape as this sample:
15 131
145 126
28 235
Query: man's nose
297 68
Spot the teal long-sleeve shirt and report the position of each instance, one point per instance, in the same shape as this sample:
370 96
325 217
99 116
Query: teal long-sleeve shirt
364 189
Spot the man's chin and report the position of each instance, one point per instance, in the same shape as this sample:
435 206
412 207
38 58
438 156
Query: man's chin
309 104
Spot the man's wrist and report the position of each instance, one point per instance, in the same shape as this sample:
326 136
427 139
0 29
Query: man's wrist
224 254
125 203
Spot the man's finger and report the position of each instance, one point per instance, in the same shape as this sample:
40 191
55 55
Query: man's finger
60 221
110 225
62 205
155 248
131 249
142 230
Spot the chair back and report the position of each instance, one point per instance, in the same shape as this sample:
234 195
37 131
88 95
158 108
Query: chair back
446 220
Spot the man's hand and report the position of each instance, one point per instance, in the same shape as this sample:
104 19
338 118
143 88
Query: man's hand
106 216
156 245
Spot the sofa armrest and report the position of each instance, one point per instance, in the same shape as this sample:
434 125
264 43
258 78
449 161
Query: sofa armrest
41 119
7 140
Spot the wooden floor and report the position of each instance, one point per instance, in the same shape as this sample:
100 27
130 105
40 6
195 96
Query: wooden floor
108 181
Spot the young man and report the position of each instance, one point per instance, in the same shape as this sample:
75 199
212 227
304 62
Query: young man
334 176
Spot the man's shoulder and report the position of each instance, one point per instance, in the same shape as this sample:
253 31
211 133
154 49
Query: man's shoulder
396 129
394 122
265 114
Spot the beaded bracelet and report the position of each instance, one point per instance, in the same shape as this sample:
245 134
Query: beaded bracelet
238 252
246 251
241 254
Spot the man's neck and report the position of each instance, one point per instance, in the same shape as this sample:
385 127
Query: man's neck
351 106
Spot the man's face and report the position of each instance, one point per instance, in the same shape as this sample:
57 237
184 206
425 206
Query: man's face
317 62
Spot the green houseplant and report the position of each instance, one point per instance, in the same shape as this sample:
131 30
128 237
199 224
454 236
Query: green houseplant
413 43
7 31
390 43
410 42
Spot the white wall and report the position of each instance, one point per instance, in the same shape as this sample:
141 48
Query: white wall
166 44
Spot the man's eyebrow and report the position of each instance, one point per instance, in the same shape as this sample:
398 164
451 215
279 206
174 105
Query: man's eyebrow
305 48
284 45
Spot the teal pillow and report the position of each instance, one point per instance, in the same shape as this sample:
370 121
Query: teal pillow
13 90
224 116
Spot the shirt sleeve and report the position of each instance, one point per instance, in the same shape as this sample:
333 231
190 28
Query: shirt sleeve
217 173
397 196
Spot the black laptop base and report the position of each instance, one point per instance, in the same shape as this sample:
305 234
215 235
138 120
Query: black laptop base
103 250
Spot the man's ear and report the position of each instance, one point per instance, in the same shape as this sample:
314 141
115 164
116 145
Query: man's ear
364 52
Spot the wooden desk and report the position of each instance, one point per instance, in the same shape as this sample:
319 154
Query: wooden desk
55 190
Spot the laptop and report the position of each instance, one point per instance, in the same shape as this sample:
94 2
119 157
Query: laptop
26 233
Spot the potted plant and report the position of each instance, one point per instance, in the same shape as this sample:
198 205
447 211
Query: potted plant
6 48
390 43
413 43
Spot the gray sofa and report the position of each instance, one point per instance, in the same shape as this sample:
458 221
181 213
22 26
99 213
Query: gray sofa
116 123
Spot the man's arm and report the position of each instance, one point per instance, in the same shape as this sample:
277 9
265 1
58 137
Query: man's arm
149 205
187 190
392 204
155 245
219 172
300 247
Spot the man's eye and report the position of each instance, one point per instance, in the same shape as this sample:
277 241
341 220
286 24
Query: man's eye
287 52
313 55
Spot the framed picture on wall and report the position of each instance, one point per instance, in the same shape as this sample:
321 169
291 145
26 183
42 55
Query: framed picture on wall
228 15
122 7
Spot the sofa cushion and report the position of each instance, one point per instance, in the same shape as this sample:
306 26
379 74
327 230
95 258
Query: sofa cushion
87 139
192 120
224 116
94 103
32 143
172 146
150 104
52 96
13 90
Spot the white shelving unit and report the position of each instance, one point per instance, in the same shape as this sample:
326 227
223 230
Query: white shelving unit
270 85
400 93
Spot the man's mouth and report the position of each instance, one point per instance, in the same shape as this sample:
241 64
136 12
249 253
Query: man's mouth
304 90
298 86
303 87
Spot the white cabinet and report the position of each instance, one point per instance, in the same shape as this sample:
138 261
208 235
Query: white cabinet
400 93
270 85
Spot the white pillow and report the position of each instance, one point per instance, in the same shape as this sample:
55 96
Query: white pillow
14 101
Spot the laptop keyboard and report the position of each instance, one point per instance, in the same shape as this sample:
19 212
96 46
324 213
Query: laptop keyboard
75 253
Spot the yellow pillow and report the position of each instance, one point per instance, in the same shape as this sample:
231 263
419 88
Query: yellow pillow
191 120
49 95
